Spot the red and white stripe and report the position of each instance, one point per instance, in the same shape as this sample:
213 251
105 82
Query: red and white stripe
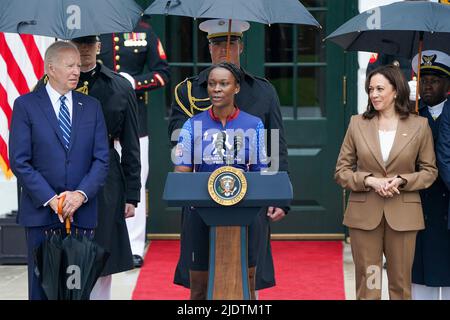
21 66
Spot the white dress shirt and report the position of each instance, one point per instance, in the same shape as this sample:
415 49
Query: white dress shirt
386 142
436 110
56 102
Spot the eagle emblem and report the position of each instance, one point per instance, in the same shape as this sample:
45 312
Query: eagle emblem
429 60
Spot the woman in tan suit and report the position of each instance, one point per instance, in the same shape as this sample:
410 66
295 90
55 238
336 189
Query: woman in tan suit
387 156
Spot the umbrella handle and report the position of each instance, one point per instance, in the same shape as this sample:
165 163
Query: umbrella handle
419 60
67 220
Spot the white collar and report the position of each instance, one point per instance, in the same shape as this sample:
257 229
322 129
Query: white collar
54 95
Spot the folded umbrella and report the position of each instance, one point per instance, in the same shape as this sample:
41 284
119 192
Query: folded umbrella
47 259
69 266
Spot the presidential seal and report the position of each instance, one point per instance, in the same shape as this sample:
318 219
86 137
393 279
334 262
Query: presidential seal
227 185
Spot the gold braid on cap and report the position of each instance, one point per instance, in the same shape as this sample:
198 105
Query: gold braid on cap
192 100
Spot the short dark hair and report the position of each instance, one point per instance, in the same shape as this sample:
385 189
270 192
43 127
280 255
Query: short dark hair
396 78
234 69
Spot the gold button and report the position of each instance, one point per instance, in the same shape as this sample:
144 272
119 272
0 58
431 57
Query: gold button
145 81
117 67
153 80
140 98
117 48
135 50
139 83
116 39
117 58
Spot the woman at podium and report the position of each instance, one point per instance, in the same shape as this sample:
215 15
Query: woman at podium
222 135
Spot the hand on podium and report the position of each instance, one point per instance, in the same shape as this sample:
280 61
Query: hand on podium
275 214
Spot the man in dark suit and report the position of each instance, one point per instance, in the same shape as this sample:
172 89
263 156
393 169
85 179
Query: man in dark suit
58 144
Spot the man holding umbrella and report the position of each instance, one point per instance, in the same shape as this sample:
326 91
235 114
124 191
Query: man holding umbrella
257 97
431 268
58 144
120 194
140 57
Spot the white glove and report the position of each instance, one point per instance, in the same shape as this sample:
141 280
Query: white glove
413 88
131 79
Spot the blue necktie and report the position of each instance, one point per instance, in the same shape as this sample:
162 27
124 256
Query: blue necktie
64 121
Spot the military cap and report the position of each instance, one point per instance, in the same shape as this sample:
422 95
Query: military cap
217 29
86 39
433 62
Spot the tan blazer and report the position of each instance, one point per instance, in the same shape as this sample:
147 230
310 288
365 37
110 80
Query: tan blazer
412 158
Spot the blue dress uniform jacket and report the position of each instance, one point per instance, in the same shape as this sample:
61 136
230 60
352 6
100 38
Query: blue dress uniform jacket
258 98
140 54
432 256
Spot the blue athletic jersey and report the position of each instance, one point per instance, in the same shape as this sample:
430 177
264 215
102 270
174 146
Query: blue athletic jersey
205 144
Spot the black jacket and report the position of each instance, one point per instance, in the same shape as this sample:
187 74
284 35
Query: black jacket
140 54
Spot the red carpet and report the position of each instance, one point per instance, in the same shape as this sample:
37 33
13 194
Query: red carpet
305 270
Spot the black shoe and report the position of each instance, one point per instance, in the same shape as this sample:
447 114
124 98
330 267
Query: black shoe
137 261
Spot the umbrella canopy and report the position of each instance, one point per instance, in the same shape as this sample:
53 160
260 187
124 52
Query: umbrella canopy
262 11
396 28
68 19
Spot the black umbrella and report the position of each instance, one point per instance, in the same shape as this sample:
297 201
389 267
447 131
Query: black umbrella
47 259
395 29
83 261
68 19
69 266
262 11
402 28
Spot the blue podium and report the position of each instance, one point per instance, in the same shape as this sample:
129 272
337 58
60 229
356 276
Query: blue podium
228 265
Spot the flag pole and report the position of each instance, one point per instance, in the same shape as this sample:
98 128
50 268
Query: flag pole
419 59
228 40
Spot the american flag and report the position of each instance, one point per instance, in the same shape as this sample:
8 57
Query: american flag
21 65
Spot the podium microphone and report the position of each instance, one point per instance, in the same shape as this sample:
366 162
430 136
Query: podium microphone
238 141
220 144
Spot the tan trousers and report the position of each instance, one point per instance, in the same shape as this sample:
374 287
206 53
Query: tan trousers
368 247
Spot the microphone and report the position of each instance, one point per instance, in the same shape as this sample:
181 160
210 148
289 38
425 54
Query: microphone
219 144
238 141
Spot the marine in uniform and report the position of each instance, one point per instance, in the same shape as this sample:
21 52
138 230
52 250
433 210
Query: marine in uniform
256 97
121 192
431 268
140 57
